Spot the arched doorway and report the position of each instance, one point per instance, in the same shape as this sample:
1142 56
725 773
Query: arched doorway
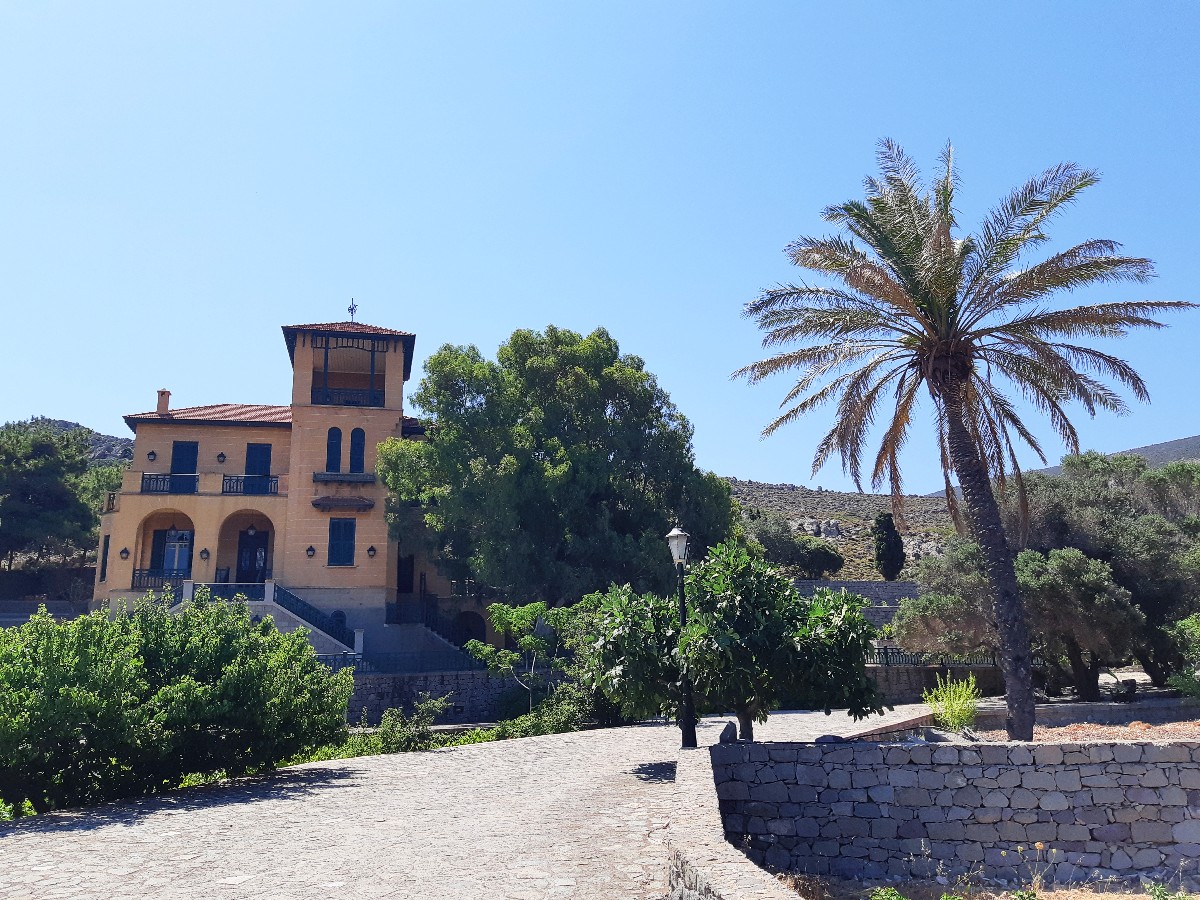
469 626
245 548
166 540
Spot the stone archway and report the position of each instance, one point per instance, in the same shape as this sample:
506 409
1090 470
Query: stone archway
245 548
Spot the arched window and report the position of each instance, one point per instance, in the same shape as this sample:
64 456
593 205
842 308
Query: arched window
358 449
338 618
333 451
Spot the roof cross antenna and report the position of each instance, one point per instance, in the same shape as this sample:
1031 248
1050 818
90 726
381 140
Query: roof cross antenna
352 309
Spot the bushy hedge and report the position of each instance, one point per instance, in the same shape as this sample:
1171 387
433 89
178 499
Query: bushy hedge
103 706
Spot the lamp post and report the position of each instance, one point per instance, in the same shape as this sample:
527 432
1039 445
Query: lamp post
677 540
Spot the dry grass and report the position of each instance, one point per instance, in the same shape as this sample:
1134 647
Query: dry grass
816 887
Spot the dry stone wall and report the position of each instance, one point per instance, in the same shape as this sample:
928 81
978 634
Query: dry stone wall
474 697
1119 810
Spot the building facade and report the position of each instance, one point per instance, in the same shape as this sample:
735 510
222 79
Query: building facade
281 504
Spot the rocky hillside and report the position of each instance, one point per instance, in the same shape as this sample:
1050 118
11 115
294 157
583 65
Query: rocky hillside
845 519
103 449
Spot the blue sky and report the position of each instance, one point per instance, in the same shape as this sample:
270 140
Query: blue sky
177 182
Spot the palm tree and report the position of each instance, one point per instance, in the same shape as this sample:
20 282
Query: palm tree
918 307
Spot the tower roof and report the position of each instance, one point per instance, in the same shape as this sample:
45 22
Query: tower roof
350 329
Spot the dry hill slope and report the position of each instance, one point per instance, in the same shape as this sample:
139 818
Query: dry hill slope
845 519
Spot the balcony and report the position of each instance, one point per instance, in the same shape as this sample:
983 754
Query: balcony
323 396
159 579
169 484
257 485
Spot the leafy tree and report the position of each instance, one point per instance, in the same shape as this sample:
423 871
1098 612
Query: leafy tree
555 470
921 307
953 613
889 547
537 650
39 504
1136 520
751 640
808 556
1077 611
106 706
97 482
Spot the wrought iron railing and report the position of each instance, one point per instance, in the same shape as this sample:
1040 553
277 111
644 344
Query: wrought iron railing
323 396
155 483
313 616
230 591
250 484
158 579
894 656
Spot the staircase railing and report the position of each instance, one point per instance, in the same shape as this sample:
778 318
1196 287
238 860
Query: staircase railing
313 616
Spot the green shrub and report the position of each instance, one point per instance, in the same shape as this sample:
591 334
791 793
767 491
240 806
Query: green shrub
103 706
954 703
886 893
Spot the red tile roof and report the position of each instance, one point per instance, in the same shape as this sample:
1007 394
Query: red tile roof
348 328
217 414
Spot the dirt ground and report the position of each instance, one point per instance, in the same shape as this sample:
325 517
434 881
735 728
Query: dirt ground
826 888
1085 731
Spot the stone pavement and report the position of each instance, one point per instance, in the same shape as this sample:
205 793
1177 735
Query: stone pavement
566 816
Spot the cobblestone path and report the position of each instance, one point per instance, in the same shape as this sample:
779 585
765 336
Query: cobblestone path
566 816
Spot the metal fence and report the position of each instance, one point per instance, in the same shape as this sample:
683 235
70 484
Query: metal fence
894 656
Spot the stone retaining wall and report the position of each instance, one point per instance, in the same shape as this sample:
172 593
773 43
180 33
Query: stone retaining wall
703 865
475 695
870 810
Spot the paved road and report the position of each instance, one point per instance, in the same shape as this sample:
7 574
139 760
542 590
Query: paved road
566 816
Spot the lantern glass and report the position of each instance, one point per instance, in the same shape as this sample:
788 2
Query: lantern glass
677 540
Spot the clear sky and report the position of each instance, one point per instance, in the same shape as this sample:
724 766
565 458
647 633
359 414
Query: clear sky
179 180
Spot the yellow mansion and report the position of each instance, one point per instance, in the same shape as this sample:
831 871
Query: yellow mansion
281 504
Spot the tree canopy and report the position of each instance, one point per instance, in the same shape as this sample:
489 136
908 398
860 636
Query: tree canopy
751 641
916 307
553 471
1139 522
40 505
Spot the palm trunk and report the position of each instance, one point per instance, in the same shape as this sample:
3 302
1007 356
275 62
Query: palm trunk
1016 655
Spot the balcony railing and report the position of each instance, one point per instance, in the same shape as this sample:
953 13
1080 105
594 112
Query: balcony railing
323 396
159 579
153 483
250 484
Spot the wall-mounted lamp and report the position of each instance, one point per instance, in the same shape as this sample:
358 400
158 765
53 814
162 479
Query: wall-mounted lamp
221 458
311 551
204 554
152 456
371 552
124 553
252 531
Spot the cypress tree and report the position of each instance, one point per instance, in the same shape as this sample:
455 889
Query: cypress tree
889 547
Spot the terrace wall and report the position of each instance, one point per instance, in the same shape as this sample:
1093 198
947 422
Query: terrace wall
1118 810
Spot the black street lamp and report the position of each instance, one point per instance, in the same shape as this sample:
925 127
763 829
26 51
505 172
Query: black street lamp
677 540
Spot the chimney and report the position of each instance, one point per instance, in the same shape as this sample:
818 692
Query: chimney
164 401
